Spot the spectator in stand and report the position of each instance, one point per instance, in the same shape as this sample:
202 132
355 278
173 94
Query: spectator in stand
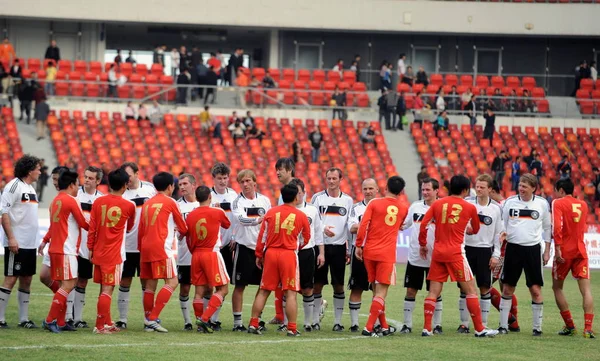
408 77
482 101
237 129
316 138
243 83
130 59
42 110
211 82
471 112
217 125
422 77
7 52
52 52
50 77
182 90
249 120
4 79
527 105
367 134
254 133
155 114
536 167
401 68
442 121
339 68
584 70
42 181
118 59
593 71
440 102
420 109
175 61
356 65
184 59
338 100
206 119
297 152
16 70
453 100
529 158
382 104
498 167
384 75
234 118
112 81
564 167
578 74
215 63
490 124
158 56
236 61
497 103
268 81
421 176
26 99
391 100
400 112
512 104
223 70
516 173
142 112
129 111
201 72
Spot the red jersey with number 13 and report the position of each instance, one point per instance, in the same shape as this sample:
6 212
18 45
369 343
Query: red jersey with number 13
569 225
282 224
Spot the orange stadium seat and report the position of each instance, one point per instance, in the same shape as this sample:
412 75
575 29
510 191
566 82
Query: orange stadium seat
258 73
80 66
34 64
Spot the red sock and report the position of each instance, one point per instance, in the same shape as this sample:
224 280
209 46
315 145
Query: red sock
58 303
213 305
198 307
54 286
254 322
376 309
103 311
148 302
292 327
589 319
162 299
566 315
475 311
382 319
513 312
61 320
429 309
496 296
279 304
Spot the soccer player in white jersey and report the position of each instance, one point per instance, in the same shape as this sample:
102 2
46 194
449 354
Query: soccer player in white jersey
359 280
528 227
482 249
187 203
417 268
334 206
249 209
139 192
19 212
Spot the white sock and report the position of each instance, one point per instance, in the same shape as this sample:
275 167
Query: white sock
308 303
215 317
409 306
338 304
538 315
318 304
505 305
485 302
354 309
70 304
184 303
463 310
437 314
237 319
123 303
205 302
4 297
283 303
79 303
23 298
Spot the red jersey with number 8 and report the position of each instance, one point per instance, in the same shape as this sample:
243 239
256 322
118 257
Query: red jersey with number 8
569 225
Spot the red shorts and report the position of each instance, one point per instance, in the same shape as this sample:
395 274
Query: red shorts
108 275
459 271
158 270
208 268
578 266
280 269
63 267
381 272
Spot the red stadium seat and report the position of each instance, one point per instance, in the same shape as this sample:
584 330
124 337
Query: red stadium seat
466 80
587 84
95 67
349 77
258 73
513 82
318 75
497 82
304 75
126 69
528 82
65 65
80 66
289 75
157 70
275 74
33 64
436 79
141 69
451 79
482 81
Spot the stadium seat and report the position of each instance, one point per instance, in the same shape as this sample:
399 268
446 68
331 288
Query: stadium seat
157 70
141 69
95 67
258 73
299 84
349 77
33 64
513 82
304 75
587 84
436 79
482 81
126 69
451 79
80 66
65 65
466 80
497 82
275 74
528 82
333 76
289 74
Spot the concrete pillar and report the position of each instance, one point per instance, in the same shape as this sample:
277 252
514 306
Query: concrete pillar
274 49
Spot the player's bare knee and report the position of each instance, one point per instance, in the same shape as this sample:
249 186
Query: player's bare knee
125 282
25 282
184 290
307 292
536 293
338 288
208 292
82 282
356 295
172 282
9 282
484 290
411 293
507 290
223 290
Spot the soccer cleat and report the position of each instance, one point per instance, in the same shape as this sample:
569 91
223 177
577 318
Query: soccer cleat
513 328
216 326
3 324
275 321
486 332
68 327
405 329
502 331
203 327
239 328
81 324
437 330
354 328
377 328
153 326
537 333
122 325
262 326
426 333
392 329
102 331
567 331
51 326
291 333
112 328
588 334
316 327
282 328
338 328
463 329
368 333
308 328
188 327
322 310
387 331
254 330
27 324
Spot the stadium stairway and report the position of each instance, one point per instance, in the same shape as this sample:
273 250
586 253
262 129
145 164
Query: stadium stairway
564 107
406 159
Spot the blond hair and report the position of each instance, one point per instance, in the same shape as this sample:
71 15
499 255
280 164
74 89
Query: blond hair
246 173
485 178
529 179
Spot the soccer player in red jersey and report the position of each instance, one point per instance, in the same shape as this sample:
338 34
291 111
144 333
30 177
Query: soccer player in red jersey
279 236
570 254
66 219
451 215
158 248
376 245
111 217
208 268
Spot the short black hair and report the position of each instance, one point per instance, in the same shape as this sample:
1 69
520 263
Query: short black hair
66 178
594 169
96 170
134 167
25 165
495 186
566 184
298 183
162 181
289 193
434 183
458 184
117 179
395 184
202 193
287 164
58 170
334 169
220 168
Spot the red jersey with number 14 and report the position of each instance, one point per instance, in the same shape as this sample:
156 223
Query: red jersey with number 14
569 225
204 228
379 227
451 216
280 229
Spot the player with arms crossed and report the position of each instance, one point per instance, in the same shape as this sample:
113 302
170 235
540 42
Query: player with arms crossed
111 217
451 215
528 225
417 268
276 252
158 248
208 267
66 219
569 225
376 244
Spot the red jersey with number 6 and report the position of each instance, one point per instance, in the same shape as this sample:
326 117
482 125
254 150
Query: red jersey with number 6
451 216
204 228
282 224
569 225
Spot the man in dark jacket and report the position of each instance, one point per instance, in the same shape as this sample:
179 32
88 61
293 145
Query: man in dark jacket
53 52
498 167
26 98
211 80
391 99
490 125
382 104
42 110
340 101
564 167
536 167
400 111
183 79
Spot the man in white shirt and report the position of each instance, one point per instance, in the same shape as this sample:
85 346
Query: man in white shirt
19 212
401 66
528 228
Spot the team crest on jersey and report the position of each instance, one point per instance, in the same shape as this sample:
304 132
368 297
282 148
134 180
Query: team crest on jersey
261 211
17 266
342 211
485 219
535 215
309 220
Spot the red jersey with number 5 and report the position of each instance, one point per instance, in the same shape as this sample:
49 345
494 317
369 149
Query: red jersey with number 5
204 228
280 229
569 225
451 216
379 227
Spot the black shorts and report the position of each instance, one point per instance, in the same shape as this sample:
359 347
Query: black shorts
244 267
335 262
227 254
131 266
307 263
479 261
85 268
20 264
184 275
518 258
359 279
414 277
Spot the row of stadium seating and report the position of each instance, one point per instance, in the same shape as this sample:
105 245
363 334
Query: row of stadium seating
178 145
10 144
588 101
465 152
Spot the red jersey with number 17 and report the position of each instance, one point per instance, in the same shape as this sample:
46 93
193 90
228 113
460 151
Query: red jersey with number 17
569 225
379 227
204 228
451 216
282 224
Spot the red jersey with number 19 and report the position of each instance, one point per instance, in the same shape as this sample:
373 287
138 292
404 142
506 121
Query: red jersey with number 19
569 215
282 224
